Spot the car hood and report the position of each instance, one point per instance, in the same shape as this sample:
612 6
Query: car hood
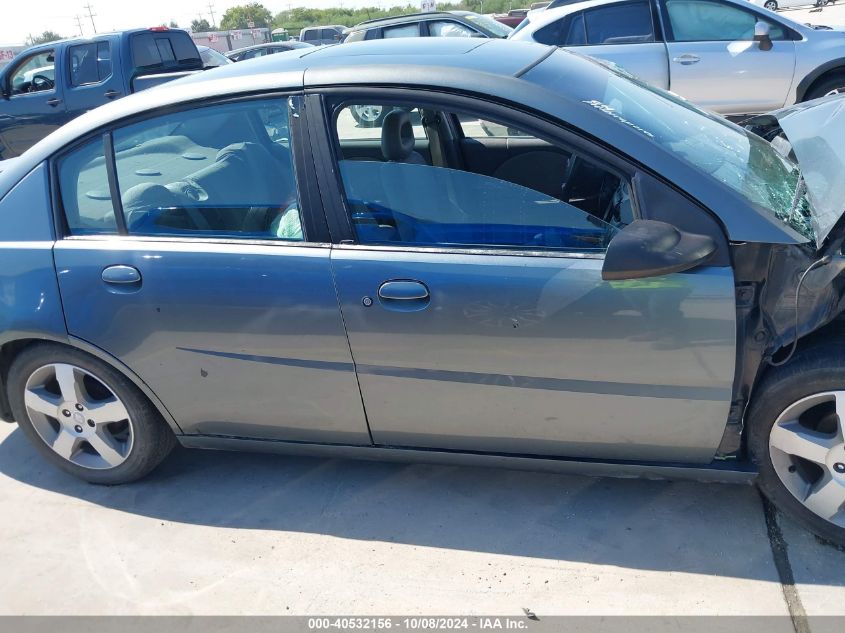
813 134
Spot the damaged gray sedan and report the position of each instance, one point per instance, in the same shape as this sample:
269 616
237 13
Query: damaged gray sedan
533 261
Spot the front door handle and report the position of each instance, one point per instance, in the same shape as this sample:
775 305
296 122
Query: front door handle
111 94
122 275
53 102
403 295
686 59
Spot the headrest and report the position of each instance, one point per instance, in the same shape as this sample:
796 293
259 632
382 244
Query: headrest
397 136
147 196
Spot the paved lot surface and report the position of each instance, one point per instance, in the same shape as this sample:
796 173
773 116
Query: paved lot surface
229 533
831 15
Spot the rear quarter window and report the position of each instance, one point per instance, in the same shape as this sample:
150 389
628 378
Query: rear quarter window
164 50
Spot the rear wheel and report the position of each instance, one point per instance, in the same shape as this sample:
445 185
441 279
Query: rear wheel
84 416
771 5
797 437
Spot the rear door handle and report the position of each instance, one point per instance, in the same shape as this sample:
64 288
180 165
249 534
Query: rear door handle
403 291
403 295
686 59
54 101
111 94
122 275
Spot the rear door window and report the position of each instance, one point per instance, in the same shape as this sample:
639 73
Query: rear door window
163 50
402 30
223 171
448 28
89 63
629 23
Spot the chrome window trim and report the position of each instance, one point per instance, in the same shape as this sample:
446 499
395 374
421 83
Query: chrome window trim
460 250
170 239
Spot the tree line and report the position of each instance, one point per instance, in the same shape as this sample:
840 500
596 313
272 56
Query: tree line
297 18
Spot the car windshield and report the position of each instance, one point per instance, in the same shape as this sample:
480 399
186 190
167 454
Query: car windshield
494 27
741 160
212 58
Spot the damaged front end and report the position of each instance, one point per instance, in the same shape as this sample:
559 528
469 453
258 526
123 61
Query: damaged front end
788 292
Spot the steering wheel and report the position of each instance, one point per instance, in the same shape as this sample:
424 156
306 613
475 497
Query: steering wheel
41 82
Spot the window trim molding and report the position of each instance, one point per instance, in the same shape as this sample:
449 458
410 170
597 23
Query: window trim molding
311 211
327 101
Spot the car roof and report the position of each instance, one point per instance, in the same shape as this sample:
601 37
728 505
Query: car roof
82 40
529 74
268 45
408 17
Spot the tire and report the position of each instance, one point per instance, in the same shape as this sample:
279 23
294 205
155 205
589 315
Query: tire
89 443
803 391
369 116
829 85
771 5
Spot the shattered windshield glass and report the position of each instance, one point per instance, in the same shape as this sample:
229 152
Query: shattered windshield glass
741 160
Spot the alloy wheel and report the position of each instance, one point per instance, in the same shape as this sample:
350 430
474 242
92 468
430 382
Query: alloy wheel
771 5
807 449
78 416
368 114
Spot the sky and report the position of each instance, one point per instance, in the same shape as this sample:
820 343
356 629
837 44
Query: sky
21 18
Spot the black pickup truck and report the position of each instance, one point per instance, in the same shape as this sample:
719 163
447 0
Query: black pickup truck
47 85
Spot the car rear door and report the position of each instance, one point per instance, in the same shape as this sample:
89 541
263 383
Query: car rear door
715 62
477 316
92 72
625 33
199 260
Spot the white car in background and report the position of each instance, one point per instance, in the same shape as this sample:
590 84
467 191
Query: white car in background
774 5
728 56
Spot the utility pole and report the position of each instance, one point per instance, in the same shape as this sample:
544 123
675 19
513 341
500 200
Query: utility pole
211 10
91 15
79 24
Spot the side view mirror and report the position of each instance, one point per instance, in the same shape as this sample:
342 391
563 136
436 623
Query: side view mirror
650 248
762 37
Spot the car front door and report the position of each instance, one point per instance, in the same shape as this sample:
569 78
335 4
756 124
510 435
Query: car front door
33 103
471 289
715 62
197 263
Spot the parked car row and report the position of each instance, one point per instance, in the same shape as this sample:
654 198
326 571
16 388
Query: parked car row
725 55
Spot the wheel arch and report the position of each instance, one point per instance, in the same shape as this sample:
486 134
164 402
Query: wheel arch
828 69
10 350
825 339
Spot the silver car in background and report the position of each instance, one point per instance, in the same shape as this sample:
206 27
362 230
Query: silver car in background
728 56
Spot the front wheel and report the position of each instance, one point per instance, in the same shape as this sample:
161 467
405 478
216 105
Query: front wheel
797 438
827 87
84 416
771 5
